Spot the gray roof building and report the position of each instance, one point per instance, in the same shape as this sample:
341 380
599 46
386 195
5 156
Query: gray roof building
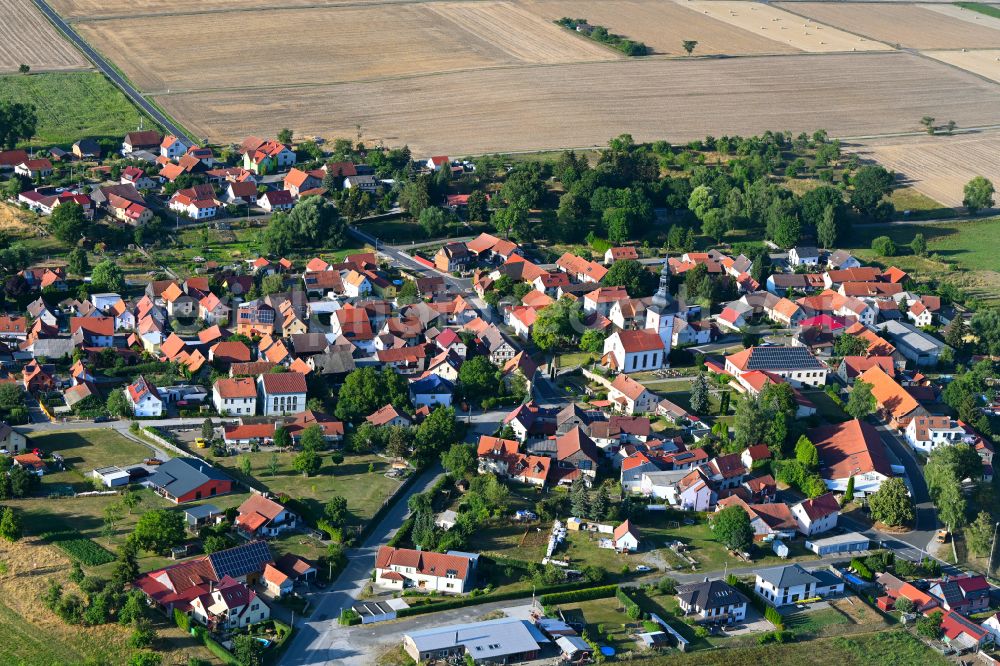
492 641
787 576
179 477
917 346
710 594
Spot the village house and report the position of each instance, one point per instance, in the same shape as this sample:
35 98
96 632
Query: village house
626 538
281 393
851 449
235 397
143 398
260 517
965 594
712 601
264 156
403 568
388 416
796 365
780 586
634 351
817 515
926 433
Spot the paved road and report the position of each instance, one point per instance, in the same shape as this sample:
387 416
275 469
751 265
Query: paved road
320 640
926 515
110 72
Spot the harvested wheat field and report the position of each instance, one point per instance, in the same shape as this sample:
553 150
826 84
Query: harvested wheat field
662 25
547 107
27 38
910 26
938 166
783 27
347 44
963 14
15 222
96 10
985 62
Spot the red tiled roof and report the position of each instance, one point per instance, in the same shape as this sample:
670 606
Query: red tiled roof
236 388
283 382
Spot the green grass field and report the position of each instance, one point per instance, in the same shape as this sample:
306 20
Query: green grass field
964 253
364 491
84 451
73 105
989 10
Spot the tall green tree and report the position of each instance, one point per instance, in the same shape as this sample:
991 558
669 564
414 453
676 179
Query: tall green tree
158 530
10 525
978 194
861 402
557 325
68 222
731 526
871 183
632 275
108 276
980 534
78 262
18 122
891 503
699 395
826 229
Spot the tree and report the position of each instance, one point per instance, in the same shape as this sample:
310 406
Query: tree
107 276
10 525
861 402
118 405
871 183
749 423
415 196
601 506
282 438
433 221
158 530
849 492
360 395
632 275
826 230
557 325
336 512
130 500
272 284
68 222
246 465
783 225
903 605
312 438
806 453
928 123
477 206
17 121
701 201
307 462
850 345
592 341
478 378
891 504
247 650
23 69
579 499
699 394
460 460
929 626
732 527
884 246
978 195
285 136
689 45
919 245
715 224
512 220
980 534
78 262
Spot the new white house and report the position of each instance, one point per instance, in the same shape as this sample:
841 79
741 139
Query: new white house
780 586
403 568
712 600
926 433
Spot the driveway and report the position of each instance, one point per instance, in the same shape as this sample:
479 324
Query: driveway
320 640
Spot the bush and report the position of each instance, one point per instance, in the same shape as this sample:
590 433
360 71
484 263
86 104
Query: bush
631 607
602 592
860 568
884 246
772 615
182 621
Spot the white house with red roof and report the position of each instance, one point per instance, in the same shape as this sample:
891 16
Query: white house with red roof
634 351
626 537
261 517
403 568
281 393
631 397
851 449
144 398
235 396
275 200
796 365
173 147
816 515
435 163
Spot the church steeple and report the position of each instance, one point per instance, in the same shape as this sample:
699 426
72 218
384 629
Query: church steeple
662 296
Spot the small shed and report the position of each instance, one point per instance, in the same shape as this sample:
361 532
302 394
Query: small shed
779 548
654 639
111 477
203 514
574 648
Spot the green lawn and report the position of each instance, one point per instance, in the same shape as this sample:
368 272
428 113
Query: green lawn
812 623
84 451
364 491
603 614
919 205
884 648
970 246
73 105
989 10
826 408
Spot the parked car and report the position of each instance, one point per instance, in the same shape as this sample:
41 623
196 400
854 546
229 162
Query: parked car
642 568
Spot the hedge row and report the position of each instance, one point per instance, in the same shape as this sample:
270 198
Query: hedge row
602 592
631 607
462 602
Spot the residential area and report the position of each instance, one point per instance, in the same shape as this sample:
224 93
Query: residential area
285 401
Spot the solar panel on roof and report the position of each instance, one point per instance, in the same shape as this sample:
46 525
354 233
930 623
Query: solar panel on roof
782 358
